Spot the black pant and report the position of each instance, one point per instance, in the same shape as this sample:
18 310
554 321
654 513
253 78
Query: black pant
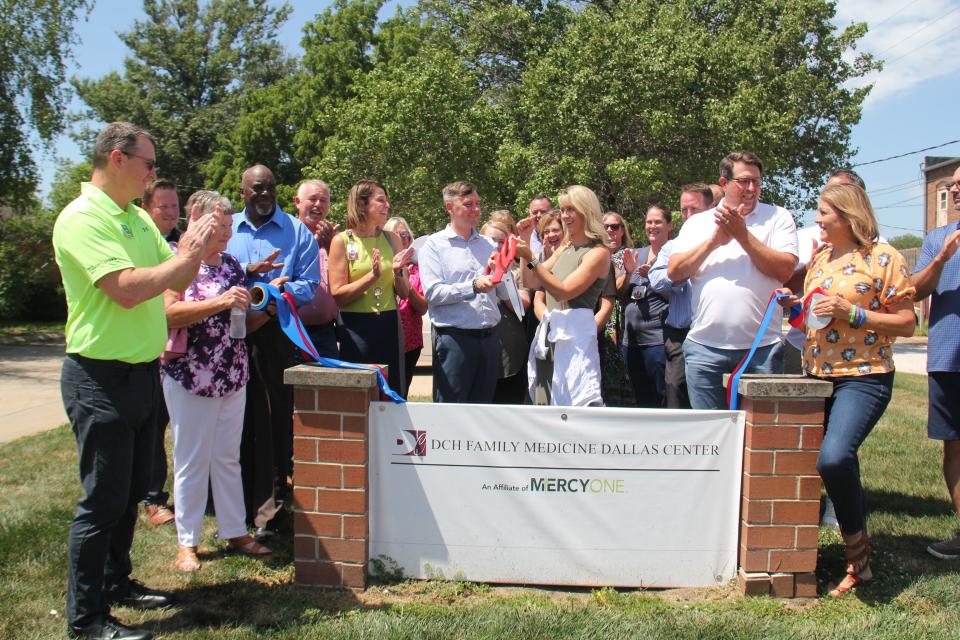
266 449
113 409
675 373
465 365
158 477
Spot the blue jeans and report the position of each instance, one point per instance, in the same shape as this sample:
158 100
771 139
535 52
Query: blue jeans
705 367
646 367
851 413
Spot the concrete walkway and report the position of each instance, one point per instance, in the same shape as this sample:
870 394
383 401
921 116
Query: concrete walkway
30 384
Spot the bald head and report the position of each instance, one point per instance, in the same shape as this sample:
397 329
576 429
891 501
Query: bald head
258 190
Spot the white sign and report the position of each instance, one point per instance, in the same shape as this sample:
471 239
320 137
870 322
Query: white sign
556 495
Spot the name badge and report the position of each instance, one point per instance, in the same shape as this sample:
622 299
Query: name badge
353 252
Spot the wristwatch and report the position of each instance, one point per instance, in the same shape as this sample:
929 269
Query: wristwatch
533 264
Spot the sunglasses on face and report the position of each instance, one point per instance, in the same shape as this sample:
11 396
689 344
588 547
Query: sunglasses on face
613 226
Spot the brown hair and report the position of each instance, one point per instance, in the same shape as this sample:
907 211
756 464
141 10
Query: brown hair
156 185
627 241
122 136
504 218
458 189
359 198
726 165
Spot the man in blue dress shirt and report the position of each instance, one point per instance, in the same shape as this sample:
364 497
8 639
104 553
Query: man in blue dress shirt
272 247
937 275
462 301
694 198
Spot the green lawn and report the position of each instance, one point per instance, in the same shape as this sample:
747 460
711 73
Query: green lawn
914 595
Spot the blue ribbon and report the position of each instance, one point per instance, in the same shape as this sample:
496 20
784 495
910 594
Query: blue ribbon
293 328
735 377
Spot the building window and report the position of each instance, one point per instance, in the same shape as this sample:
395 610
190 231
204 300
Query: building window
943 197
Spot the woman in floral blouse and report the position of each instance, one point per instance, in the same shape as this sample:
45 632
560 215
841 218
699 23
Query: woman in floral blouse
205 392
868 300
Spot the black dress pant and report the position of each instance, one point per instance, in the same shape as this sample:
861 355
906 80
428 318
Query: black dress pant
114 409
675 373
266 449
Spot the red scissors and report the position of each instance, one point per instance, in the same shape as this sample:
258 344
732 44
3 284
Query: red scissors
504 259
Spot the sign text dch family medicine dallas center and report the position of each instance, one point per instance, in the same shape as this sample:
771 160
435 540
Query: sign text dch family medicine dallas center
556 495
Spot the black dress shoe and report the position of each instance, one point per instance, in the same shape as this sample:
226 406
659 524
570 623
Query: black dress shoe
109 629
135 594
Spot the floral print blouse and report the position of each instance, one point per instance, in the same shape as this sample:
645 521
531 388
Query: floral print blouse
215 365
871 279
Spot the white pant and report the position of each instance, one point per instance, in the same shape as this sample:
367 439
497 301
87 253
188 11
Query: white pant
206 446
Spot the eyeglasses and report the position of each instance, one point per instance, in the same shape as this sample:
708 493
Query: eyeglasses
151 164
743 183
404 234
613 226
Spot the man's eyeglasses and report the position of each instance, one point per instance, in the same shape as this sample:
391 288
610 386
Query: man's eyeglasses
743 183
613 226
151 164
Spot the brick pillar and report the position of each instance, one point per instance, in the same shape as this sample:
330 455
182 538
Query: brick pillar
780 507
330 497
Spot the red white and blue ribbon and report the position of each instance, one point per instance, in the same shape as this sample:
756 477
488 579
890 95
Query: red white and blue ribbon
734 380
800 311
290 323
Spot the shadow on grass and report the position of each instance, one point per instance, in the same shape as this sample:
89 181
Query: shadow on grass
253 605
899 563
896 503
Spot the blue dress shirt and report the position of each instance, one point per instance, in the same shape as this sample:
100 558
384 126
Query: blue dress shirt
679 295
944 303
298 252
448 266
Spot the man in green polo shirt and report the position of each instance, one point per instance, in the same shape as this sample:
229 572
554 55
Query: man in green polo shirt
115 268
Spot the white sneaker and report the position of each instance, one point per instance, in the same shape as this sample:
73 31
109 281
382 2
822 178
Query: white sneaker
829 517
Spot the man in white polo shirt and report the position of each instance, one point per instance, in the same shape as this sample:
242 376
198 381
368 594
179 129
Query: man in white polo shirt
735 256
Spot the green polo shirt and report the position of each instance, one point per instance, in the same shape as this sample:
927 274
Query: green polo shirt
91 238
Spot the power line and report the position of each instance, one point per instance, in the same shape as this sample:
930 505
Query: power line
925 45
895 187
894 14
926 26
908 153
891 204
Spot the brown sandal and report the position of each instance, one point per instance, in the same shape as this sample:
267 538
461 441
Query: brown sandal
857 556
187 560
246 545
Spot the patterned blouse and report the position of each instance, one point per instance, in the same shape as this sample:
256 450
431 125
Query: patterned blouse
873 280
215 365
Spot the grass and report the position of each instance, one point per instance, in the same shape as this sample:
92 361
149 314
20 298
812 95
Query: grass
20 328
234 597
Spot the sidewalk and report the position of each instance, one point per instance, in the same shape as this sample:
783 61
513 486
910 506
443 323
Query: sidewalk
30 382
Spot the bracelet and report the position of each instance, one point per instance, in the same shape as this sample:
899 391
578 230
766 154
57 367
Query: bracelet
474 285
853 314
862 317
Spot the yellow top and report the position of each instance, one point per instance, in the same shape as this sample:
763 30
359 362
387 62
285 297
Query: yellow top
381 296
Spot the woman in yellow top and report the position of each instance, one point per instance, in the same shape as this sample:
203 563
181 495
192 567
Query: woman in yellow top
366 277
868 302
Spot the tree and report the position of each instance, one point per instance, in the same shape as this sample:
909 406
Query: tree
906 241
35 41
415 128
640 97
191 65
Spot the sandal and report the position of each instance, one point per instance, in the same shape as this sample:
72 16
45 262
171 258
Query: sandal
246 545
858 566
187 560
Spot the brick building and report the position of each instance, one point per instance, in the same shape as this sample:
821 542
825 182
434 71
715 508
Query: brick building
937 206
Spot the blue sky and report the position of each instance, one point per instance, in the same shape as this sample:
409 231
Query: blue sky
913 104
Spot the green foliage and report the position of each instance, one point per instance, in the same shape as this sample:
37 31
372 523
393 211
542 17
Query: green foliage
414 127
906 241
189 66
66 184
30 286
35 41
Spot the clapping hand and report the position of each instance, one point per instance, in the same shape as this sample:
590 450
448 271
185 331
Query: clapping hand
266 265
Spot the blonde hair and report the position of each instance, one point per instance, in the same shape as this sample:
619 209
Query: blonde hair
505 218
585 202
547 219
394 222
495 224
359 198
852 205
627 241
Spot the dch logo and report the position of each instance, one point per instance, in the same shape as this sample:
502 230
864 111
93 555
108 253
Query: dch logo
416 440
